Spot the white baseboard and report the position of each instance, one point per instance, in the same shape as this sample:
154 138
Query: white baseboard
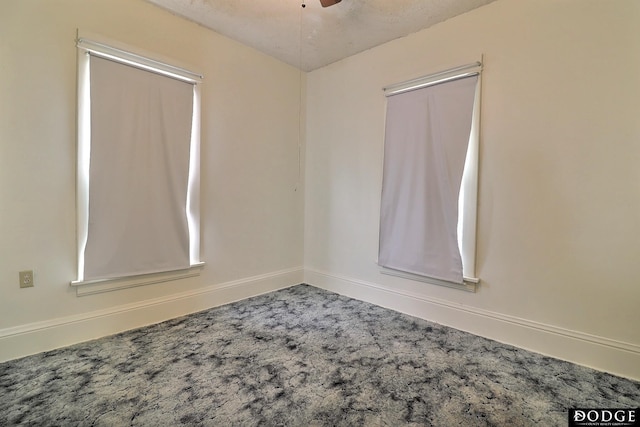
601 353
36 337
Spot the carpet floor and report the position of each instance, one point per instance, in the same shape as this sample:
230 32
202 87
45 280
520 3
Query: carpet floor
301 356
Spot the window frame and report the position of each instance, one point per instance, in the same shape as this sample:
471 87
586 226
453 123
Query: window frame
468 198
91 44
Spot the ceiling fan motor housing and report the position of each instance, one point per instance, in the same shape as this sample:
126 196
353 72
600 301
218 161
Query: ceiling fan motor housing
327 3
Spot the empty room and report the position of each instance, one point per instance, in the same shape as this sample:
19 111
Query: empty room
319 213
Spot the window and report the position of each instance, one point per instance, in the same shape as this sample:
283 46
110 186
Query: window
138 165
429 190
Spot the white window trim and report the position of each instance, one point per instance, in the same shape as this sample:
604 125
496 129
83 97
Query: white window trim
91 287
86 44
469 284
468 199
137 60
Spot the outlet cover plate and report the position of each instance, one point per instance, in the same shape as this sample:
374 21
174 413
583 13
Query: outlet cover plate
26 279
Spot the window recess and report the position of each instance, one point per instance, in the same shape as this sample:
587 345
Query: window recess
430 178
138 169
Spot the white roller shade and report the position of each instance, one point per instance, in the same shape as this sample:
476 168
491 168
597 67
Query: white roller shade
140 134
426 140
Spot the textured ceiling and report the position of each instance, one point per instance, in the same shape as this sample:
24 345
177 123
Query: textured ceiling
313 36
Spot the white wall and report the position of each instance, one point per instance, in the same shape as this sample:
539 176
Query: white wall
559 199
252 202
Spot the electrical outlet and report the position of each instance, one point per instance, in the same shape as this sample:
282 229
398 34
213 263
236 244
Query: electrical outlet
26 279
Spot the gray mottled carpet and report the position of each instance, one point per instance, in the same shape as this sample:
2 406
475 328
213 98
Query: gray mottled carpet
300 357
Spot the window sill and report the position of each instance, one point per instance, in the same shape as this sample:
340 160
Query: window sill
469 285
107 285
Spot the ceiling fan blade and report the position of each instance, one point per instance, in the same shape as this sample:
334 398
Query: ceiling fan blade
327 3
